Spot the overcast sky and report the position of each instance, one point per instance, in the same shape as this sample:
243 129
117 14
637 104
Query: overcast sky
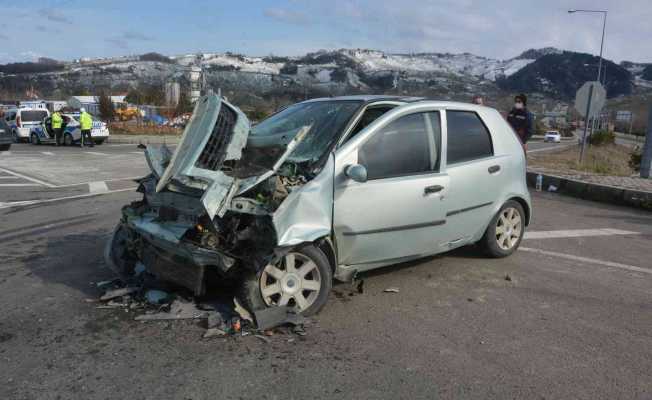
68 29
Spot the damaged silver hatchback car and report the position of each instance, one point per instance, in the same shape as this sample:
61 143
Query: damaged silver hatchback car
323 189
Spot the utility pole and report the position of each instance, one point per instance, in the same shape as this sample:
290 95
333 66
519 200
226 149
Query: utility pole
604 26
646 154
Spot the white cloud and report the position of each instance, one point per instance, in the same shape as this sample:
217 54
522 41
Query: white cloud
55 16
287 16
30 55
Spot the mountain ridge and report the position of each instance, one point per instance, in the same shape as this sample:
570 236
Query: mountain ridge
550 71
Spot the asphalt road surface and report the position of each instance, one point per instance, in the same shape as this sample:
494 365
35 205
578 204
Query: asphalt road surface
567 316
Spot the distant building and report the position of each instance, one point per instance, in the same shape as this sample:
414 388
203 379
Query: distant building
172 93
554 119
92 103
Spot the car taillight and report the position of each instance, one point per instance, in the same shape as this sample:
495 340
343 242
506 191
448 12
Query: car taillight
18 123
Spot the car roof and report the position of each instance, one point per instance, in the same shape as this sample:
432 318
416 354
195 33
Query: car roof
16 109
369 98
405 99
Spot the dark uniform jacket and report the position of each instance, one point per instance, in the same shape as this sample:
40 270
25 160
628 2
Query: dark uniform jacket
521 121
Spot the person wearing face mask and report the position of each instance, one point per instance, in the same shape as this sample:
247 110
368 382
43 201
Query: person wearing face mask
521 120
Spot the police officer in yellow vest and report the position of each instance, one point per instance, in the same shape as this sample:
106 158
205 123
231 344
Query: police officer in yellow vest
85 125
57 123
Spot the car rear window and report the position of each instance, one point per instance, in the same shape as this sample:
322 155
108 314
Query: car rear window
468 138
34 115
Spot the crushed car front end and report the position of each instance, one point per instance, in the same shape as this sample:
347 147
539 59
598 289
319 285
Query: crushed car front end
223 205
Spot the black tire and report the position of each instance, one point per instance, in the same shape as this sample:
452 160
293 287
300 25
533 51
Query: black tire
17 138
250 290
5 147
33 139
67 140
490 240
99 141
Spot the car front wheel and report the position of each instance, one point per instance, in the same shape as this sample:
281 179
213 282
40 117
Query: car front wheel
67 139
505 231
301 279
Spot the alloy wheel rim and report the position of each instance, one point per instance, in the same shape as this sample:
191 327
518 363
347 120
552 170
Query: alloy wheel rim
509 228
294 281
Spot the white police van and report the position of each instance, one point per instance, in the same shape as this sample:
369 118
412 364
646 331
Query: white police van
20 121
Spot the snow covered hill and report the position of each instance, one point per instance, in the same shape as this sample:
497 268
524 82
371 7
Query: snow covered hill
549 71
369 61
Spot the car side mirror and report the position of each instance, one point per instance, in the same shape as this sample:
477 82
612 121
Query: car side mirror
356 172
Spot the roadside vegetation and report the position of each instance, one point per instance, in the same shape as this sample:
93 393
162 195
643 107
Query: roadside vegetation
605 158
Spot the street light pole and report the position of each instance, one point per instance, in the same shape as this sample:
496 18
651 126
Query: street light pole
604 26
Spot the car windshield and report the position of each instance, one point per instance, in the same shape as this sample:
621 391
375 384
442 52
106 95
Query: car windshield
327 118
31 116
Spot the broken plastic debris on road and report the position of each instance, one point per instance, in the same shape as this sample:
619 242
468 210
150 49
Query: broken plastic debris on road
223 318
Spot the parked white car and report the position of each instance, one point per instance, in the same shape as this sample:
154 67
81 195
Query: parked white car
552 136
21 121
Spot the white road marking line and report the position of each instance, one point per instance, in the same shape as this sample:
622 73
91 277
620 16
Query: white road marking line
18 184
96 153
129 178
47 153
97 187
47 226
137 152
40 182
587 260
124 144
5 153
80 196
9 177
575 233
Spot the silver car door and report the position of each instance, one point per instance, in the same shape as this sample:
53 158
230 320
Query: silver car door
474 176
398 212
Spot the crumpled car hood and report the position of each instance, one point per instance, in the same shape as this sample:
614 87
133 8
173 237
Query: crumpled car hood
216 134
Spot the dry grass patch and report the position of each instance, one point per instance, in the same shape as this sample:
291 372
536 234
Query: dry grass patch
129 128
610 159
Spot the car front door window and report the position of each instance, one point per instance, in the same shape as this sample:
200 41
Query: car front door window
406 146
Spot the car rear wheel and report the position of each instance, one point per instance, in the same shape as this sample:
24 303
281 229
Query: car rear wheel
67 139
5 147
505 231
301 279
34 139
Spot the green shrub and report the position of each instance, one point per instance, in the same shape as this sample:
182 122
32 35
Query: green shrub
635 160
599 138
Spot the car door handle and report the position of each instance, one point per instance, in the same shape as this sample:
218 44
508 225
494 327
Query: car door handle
433 189
493 169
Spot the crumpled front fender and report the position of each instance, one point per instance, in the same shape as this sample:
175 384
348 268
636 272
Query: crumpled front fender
307 213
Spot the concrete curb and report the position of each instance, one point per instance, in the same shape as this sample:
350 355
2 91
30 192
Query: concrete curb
593 191
144 139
